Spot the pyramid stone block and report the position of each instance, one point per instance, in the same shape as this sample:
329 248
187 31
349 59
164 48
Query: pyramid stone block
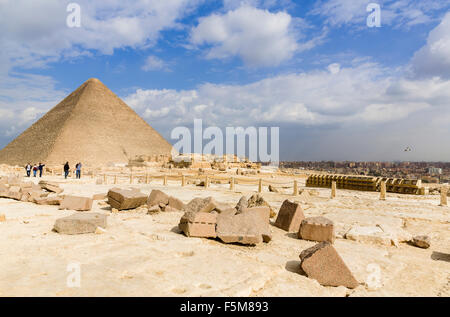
76 203
157 197
290 216
317 229
198 224
80 223
322 263
123 199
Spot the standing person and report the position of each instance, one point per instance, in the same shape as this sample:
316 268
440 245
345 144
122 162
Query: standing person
78 167
28 169
41 168
35 169
66 170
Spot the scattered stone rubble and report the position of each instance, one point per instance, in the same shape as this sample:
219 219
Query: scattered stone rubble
247 223
43 194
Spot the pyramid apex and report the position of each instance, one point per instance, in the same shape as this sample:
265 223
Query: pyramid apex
93 80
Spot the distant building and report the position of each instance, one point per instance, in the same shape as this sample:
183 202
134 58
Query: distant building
434 171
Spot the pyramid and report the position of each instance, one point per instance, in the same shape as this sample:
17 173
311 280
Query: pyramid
93 126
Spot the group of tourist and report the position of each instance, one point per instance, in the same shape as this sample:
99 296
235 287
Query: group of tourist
77 170
34 168
40 167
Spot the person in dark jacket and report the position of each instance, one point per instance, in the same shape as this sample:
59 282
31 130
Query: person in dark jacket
41 169
66 170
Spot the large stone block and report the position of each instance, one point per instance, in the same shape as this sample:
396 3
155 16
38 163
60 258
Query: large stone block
290 216
15 192
322 263
99 196
263 212
257 200
157 197
317 229
123 199
244 228
53 201
51 187
175 203
198 224
80 223
201 205
76 203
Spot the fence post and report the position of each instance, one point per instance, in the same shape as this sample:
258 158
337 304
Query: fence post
260 186
115 179
232 183
333 189
165 180
383 190
206 182
295 193
444 191
131 178
183 180
105 179
147 178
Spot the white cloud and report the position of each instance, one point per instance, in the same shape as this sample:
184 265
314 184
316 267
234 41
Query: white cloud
359 94
356 113
258 37
334 68
153 63
397 13
35 33
24 98
434 58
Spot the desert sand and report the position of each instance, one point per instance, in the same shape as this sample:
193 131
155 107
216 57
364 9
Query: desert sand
146 255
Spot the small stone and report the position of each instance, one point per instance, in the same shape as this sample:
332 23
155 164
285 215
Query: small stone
423 242
100 230
154 209
2 218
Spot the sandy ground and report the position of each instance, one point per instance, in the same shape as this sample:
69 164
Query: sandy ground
145 255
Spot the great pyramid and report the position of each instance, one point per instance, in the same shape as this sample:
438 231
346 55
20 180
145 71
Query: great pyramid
93 126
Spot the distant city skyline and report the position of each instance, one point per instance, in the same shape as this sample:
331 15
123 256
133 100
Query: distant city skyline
337 88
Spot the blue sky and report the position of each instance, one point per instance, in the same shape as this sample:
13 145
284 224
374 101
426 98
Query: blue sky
337 89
